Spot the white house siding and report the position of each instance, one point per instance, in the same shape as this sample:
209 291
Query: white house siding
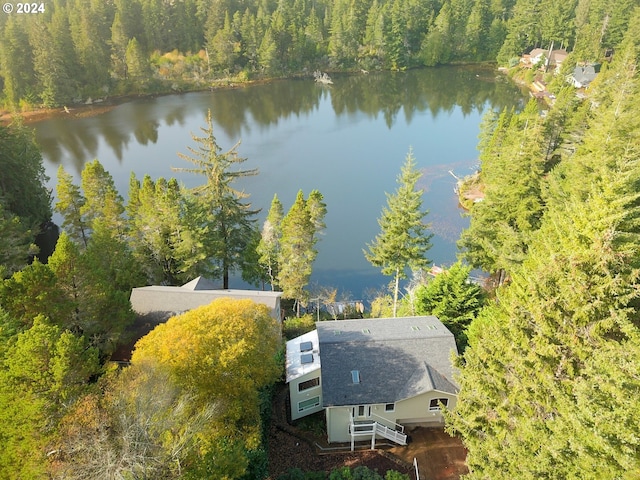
299 397
415 410
338 419
410 412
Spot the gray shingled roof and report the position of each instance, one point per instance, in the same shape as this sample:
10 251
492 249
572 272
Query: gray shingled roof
158 303
397 358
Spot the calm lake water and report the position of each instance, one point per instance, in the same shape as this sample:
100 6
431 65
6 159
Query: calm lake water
347 140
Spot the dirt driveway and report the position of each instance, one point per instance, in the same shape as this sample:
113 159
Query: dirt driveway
439 456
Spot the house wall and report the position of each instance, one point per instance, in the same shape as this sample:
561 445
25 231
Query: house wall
413 411
416 411
297 397
338 419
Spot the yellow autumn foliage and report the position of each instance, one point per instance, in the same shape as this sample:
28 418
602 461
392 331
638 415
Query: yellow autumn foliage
223 351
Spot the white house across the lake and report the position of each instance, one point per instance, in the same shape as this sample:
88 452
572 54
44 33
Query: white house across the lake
374 378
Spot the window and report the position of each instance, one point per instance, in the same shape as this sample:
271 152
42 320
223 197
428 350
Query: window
434 404
390 407
307 384
364 410
308 404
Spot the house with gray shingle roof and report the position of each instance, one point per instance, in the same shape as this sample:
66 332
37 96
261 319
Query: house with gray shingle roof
583 75
157 303
374 378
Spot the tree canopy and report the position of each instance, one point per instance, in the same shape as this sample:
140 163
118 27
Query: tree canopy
453 298
548 384
300 229
79 50
25 201
223 354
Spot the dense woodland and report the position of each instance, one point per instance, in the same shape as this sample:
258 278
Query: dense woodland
549 370
89 49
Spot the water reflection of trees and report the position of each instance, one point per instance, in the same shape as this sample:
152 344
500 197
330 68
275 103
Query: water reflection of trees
237 111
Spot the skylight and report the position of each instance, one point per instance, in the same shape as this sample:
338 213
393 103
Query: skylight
306 358
306 346
355 376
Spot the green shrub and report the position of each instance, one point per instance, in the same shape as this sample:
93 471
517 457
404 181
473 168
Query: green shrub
393 475
294 327
293 474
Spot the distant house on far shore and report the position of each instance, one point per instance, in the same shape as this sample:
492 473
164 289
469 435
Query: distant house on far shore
158 303
583 75
544 59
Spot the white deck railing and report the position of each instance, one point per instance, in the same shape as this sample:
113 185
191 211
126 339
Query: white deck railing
396 426
374 428
393 435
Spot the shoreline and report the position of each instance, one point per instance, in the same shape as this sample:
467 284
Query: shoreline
84 110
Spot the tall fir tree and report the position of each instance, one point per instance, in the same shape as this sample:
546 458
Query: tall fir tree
403 240
231 220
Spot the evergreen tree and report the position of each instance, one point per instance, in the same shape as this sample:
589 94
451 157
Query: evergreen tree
224 47
55 81
102 205
15 243
138 67
548 385
269 246
513 165
34 291
90 30
70 205
453 298
23 190
300 229
44 370
436 48
16 60
166 231
403 241
101 311
230 220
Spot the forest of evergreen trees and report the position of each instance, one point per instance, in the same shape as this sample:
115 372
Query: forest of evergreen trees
550 375
81 49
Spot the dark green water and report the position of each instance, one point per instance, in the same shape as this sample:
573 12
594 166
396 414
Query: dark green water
347 140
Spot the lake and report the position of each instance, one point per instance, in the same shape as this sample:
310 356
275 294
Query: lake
348 140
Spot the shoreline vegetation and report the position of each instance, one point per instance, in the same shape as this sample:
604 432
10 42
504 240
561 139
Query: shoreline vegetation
90 108
93 107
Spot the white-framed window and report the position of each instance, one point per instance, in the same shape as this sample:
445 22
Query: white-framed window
308 404
434 404
390 407
307 384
